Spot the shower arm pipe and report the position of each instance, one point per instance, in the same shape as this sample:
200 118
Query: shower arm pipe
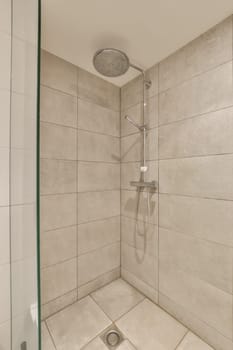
146 84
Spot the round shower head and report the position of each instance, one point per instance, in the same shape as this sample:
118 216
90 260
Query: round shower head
111 62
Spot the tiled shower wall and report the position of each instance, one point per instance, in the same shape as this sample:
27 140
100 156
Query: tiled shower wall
186 265
80 183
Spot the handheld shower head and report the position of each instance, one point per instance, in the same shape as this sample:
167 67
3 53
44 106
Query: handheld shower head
141 128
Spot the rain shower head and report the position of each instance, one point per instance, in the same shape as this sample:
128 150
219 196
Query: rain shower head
111 62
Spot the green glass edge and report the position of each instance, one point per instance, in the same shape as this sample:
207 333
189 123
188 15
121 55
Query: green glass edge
38 174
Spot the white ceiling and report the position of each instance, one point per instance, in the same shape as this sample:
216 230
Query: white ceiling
147 30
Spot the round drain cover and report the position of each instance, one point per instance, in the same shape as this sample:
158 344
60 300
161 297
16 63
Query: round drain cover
112 338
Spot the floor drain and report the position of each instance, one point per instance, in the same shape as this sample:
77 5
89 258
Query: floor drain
112 337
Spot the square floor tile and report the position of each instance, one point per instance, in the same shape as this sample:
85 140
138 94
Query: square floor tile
47 343
192 342
148 327
95 344
125 345
117 298
78 324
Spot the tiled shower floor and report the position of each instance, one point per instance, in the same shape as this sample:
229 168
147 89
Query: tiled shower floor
144 325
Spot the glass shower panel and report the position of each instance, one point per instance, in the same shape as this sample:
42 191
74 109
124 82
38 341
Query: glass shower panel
23 176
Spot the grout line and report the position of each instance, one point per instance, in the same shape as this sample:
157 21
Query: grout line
80 160
196 75
56 299
77 185
200 115
97 278
50 334
82 223
196 197
79 255
78 129
81 192
209 155
99 248
193 236
42 268
181 340
194 316
124 313
85 99
158 198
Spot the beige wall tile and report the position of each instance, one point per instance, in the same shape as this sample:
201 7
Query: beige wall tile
98 282
140 263
207 261
98 262
5 293
23 285
96 176
5 335
5 8
140 235
208 134
58 245
57 142
199 176
135 112
140 285
4 177
152 74
202 94
206 302
207 51
23 232
96 147
5 60
5 118
57 176
129 200
207 219
59 303
98 90
131 148
24 67
5 235
23 122
131 172
131 93
58 211
206 332
23 176
57 107
58 74
93 117
57 280
94 235
98 205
